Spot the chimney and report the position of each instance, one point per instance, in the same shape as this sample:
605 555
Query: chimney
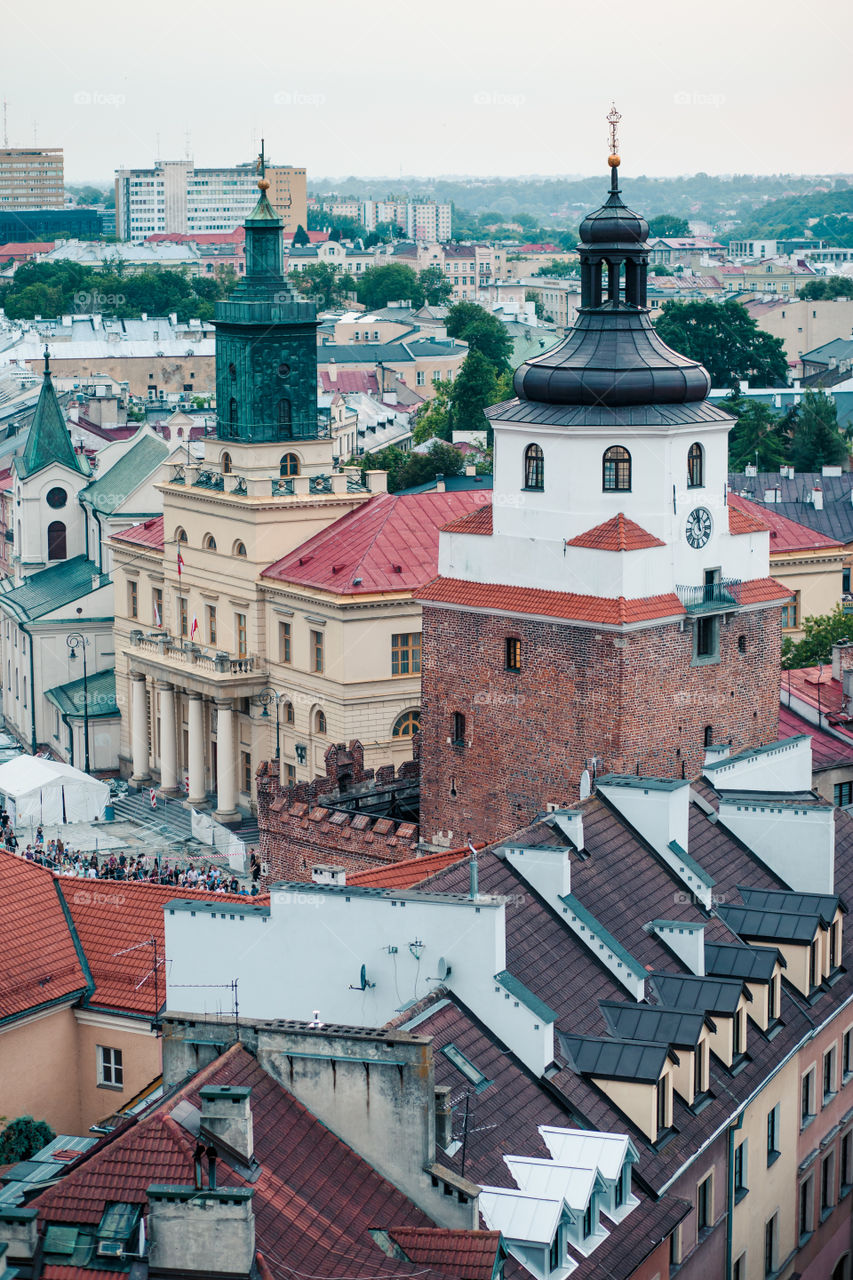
817 498
842 658
470 469
439 483
323 873
209 1232
333 370
443 1116
226 1117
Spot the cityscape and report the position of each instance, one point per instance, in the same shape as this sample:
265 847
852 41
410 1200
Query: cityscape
426 649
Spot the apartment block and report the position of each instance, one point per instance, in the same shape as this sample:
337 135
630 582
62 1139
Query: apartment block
31 178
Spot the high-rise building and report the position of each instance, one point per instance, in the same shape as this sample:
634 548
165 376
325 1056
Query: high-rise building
31 178
424 220
176 196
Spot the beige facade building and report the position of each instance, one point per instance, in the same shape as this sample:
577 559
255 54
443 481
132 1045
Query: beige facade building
802 323
31 178
559 298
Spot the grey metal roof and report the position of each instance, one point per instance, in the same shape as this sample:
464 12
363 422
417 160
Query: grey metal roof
525 996
751 752
774 926
614 1059
589 415
689 992
815 904
652 1023
750 964
774 799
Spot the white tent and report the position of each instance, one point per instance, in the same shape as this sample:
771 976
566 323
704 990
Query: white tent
44 791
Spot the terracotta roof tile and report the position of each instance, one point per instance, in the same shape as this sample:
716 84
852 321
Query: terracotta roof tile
403 875
827 751
148 534
478 521
39 959
498 598
741 522
617 534
785 534
458 1253
761 590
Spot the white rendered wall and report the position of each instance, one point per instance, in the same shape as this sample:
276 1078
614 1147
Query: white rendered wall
798 845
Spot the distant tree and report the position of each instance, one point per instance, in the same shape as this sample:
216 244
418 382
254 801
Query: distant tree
474 389
349 228
821 633
433 418
826 288
392 283
23 1138
406 470
530 295
436 287
323 281
758 438
560 269
335 234
724 337
301 237
482 331
816 440
667 224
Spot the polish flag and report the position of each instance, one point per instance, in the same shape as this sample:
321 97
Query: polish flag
180 563
158 621
193 628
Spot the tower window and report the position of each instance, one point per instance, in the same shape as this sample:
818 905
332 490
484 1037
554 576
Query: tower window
534 467
695 466
458 729
512 653
232 412
232 371
741 644
616 470
226 464
284 417
289 465
706 640
709 735
56 542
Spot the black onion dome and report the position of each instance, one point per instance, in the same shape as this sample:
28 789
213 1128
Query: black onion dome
612 357
614 224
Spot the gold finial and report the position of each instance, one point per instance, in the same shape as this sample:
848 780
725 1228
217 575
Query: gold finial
613 118
263 181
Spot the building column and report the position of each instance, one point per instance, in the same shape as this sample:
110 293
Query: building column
168 739
139 728
195 769
226 764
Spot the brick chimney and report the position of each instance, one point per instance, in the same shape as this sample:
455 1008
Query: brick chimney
842 658
226 1117
209 1232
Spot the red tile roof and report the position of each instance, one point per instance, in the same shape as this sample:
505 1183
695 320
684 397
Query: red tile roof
75 1273
741 521
827 751
477 521
457 1253
403 875
817 687
314 1199
785 534
349 381
149 534
38 958
498 598
617 534
761 591
390 543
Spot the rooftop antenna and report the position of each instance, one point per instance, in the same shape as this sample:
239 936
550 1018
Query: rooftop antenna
614 159
5 123
156 148
35 133
188 144
475 871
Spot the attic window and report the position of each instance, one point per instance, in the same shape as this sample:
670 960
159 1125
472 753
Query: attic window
463 1064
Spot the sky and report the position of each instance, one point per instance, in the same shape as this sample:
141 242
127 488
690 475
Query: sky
389 88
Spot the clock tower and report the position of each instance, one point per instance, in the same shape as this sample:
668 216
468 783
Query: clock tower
610 612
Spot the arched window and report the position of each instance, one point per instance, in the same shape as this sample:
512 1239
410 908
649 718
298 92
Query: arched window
284 416
232 371
180 534
616 470
407 725
226 464
695 466
56 543
534 467
288 713
209 542
289 465
240 549
320 722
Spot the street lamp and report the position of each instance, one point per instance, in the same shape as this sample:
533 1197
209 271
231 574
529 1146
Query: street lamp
73 640
265 697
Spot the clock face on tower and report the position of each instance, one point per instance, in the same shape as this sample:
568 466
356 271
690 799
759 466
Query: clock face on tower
698 527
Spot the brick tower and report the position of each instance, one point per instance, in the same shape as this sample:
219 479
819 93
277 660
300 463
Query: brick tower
610 612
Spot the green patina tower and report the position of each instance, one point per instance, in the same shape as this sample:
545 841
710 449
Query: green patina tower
266 344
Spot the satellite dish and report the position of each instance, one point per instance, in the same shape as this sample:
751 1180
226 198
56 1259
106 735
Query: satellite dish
363 977
443 969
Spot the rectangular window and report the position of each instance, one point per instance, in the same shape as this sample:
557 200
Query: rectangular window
458 729
807 1107
285 638
827 1185
704 1207
246 772
662 1100
772 1134
420 378
847 1053
183 615
846 1163
110 1067
555 1254
698 1070
706 634
776 997
828 1075
513 654
157 606
740 1169
240 634
770 1246
406 653
587 1221
289 774
133 599
738 1037
791 612
316 651
211 623
805 1211
834 945
739 1268
814 964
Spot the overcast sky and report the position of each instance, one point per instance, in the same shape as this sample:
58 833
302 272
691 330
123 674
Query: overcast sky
387 87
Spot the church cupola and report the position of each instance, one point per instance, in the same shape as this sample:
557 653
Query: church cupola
266 345
613 356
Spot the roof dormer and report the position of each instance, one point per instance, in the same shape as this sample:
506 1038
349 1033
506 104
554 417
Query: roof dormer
724 1000
636 1075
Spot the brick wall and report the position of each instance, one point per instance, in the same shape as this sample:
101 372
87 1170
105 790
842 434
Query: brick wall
298 827
633 701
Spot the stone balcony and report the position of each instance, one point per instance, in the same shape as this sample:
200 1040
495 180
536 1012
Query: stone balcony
195 667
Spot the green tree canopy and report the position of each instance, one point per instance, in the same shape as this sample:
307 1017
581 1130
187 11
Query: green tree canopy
392 283
436 287
23 1138
825 288
301 236
323 281
474 389
816 440
724 338
559 270
406 470
758 438
667 224
821 633
433 418
482 331
60 288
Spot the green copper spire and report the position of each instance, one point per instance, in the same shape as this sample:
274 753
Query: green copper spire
48 440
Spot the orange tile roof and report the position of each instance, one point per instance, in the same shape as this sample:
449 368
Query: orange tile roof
403 875
742 522
457 1253
617 534
497 598
38 956
785 534
478 521
761 591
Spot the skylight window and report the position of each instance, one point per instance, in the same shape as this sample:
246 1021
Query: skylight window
463 1064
